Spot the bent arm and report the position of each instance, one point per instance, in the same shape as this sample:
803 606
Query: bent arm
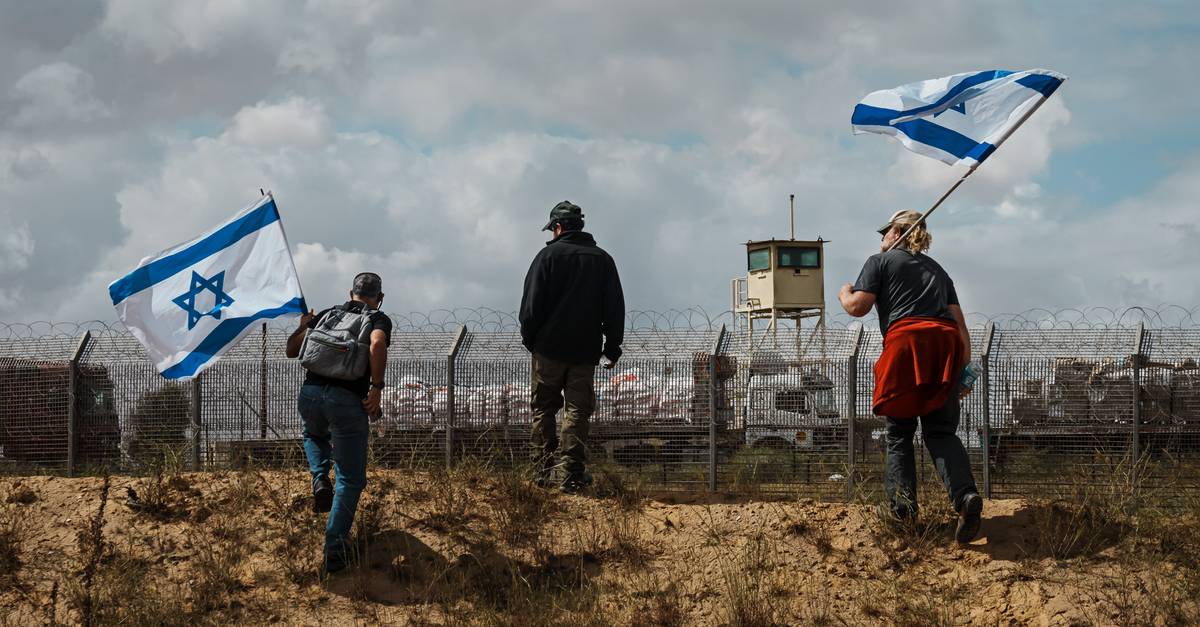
295 341
963 333
856 303
530 315
378 355
613 316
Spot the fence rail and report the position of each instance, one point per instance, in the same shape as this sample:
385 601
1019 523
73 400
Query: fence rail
697 404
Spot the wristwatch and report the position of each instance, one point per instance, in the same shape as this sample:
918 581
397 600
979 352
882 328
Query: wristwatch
379 385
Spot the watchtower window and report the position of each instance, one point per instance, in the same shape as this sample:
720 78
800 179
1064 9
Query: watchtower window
760 259
796 257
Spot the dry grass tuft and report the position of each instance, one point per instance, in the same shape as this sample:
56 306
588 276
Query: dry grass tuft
751 594
13 533
520 510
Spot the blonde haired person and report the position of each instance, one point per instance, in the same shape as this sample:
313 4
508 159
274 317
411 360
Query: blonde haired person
918 374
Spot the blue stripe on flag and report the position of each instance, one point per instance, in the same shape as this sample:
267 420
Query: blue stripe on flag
1040 83
953 92
167 267
940 137
222 335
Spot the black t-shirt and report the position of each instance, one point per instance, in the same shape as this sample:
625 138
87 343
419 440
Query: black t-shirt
379 322
906 284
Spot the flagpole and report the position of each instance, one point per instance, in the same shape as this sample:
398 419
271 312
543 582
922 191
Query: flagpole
303 301
969 172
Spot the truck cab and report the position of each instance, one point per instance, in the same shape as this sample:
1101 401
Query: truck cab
793 410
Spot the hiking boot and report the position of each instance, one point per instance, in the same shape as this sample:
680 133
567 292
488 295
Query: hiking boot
333 564
322 495
576 483
543 473
969 518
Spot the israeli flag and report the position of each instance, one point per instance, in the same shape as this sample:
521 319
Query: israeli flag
958 119
189 304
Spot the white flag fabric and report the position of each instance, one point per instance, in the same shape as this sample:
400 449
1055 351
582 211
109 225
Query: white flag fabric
958 119
190 303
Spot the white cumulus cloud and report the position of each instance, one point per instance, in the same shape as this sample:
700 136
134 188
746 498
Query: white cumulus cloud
55 93
292 122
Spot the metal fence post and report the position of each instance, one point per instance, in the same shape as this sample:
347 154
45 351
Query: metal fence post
985 388
451 357
1135 449
852 409
713 388
196 422
262 394
73 401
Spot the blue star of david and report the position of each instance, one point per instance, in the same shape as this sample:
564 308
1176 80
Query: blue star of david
960 107
187 300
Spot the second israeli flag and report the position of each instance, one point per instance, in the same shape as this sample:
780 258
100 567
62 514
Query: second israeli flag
957 119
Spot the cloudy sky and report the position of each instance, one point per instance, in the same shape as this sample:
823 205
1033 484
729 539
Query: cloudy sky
428 140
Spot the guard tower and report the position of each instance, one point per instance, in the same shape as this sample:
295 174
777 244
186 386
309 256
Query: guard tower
785 279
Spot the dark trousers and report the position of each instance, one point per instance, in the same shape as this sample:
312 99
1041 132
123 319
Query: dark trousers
555 383
938 430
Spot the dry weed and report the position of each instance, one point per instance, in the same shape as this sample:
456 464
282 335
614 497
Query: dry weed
450 505
520 510
221 550
1152 597
654 602
907 601
123 591
13 533
752 596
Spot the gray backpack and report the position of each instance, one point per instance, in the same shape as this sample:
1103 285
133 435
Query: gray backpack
339 346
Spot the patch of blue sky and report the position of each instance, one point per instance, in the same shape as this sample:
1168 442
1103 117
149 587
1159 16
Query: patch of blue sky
1102 173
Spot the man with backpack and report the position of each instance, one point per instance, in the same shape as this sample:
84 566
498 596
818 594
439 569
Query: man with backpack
572 312
344 351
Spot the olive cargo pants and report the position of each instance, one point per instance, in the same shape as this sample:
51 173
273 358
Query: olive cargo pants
553 382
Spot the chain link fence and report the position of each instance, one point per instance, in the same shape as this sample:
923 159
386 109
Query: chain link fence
695 403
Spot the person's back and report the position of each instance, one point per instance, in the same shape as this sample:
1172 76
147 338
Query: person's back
572 301
572 312
907 284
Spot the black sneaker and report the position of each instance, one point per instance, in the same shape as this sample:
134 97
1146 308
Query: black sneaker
969 518
576 483
322 495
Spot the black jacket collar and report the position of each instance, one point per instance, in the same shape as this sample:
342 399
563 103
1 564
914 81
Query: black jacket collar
579 238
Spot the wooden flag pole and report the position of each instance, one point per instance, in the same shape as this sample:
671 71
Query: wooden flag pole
939 202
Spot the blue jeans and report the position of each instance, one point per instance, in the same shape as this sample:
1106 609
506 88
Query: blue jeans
335 434
939 430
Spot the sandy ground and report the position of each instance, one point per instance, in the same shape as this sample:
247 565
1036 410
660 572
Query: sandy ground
479 549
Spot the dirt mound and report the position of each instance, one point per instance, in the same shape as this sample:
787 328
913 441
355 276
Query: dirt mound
479 547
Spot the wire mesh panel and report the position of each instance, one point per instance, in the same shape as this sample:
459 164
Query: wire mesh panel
248 405
155 415
790 427
492 421
416 400
653 409
1062 408
1169 404
650 413
35 406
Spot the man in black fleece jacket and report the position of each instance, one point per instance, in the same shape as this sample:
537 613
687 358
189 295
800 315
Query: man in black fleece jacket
572 312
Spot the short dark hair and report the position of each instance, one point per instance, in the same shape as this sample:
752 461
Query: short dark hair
571 224
367 284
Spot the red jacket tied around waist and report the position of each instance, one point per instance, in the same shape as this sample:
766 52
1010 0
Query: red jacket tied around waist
919 368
